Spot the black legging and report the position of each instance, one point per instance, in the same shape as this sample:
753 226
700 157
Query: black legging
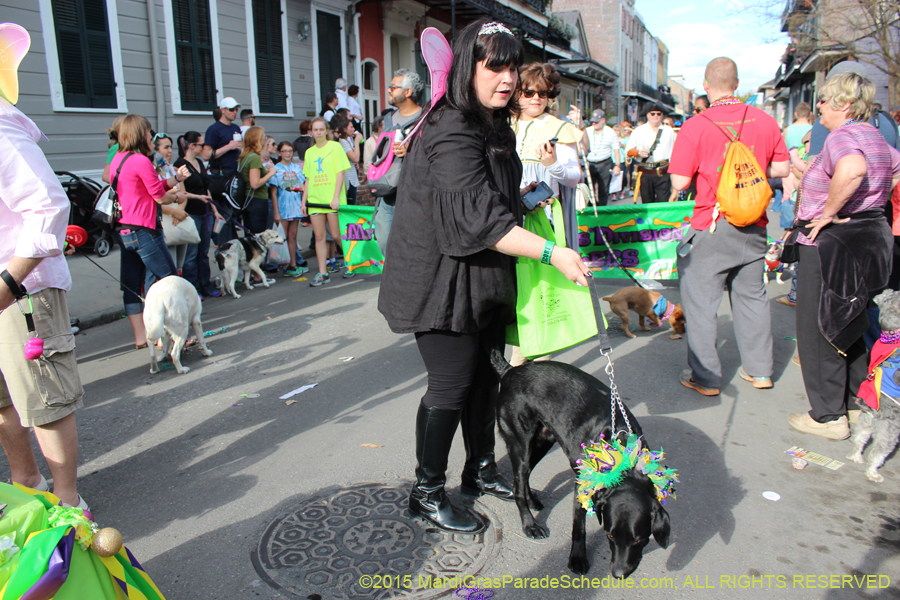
454 362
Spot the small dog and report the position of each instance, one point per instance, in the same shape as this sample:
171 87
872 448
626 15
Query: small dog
880 416
773 262
541 403
172 304
647 304
245 255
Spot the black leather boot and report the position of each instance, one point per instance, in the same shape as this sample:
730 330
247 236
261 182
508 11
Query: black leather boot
435 428
480 475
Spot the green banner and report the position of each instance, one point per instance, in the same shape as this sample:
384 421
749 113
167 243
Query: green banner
643 236
361 252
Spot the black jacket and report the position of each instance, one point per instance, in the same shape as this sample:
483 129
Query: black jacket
856 263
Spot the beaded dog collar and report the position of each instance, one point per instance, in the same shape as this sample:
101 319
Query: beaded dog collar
890 337
605 463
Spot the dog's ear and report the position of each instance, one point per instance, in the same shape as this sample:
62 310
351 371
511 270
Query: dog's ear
600 498
660 524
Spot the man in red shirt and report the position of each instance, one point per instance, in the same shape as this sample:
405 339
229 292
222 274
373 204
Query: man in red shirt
732 257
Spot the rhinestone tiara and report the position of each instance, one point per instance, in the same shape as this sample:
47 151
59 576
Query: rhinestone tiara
494 27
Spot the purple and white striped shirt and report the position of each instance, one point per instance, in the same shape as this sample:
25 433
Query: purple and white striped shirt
882 163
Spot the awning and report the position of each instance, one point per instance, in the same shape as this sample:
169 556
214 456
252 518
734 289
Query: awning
822 59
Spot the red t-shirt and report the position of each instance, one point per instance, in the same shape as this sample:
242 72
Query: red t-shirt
700 150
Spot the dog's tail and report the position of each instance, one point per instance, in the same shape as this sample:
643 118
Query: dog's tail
154 323
499 362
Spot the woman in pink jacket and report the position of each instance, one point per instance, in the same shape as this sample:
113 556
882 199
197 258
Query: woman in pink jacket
145 257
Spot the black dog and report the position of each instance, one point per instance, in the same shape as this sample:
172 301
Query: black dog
545 402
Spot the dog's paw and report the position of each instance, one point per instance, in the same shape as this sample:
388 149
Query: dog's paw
206 352
675 336
856 457
236 296
183 370
250 287
154 369
874 476
579 565
536 532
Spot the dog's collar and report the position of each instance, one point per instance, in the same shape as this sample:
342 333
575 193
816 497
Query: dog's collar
663 309
890 337
605 463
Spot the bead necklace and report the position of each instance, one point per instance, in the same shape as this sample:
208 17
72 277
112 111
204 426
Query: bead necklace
724 100
890 337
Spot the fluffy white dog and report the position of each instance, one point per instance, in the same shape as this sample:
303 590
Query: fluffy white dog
171 306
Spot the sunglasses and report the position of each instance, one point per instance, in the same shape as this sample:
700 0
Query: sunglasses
541 93
655 114
156 136
697 110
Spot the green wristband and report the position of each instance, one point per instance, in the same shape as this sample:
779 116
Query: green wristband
548 250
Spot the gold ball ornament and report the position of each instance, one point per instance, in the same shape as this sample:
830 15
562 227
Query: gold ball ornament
107 542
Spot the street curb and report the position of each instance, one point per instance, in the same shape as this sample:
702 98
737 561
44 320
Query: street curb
100 318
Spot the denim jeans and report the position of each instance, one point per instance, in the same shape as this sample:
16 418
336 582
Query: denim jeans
255 215
154 257
196 261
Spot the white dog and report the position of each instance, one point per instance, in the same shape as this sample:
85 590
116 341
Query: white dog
245 255
172 304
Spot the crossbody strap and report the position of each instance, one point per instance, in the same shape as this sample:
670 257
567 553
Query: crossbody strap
655 144
115 182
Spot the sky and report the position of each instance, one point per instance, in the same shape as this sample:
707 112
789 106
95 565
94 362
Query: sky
696 31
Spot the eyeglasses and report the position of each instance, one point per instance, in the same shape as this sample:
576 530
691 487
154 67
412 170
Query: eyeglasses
696 111
541 93
821 100
654 114
391 88
287 151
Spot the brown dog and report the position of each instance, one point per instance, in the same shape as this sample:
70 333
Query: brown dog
643 302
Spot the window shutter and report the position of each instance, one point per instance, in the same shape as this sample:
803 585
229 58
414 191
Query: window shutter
269 47
85 57
194 54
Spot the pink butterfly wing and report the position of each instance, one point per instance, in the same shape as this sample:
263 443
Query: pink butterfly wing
14 45
438 56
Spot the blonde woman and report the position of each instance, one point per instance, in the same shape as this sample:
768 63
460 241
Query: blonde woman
324 167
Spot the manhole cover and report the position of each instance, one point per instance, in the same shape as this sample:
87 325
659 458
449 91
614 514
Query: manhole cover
362 543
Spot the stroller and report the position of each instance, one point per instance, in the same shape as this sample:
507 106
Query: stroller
83 193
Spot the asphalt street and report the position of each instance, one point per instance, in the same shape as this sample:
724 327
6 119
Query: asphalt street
193 468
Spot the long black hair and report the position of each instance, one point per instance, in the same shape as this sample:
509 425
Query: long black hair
191 137
498 50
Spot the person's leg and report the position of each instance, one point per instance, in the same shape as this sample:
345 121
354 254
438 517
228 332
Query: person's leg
16 442
351 194
749 302
131 278
450 361
318 224
334 226
256 214
201 262
383 220
604 178
59 445
595 181
824 370
647 195
180 254
45 393
702 282
155 256
662 187
291 233
190 269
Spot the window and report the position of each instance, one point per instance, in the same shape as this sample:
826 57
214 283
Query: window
194 54
268 43
84 53
370 75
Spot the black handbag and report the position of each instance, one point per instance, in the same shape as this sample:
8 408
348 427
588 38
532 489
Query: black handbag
115 213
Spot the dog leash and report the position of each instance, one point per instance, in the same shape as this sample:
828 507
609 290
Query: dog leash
597 216
84 254
615 401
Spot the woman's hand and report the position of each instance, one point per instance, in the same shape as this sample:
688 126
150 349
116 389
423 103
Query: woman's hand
569 263
575 116
816 225
178 216
400 149
182 173
216 213
547 154
335 203
528 188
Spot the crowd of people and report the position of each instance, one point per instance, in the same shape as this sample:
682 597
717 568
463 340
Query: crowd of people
495 135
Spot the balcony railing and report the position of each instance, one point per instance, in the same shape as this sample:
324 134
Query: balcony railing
538 5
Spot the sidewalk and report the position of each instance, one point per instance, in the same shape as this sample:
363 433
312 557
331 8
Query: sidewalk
95 298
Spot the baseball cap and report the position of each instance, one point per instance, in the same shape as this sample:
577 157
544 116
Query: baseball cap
229 103
597 116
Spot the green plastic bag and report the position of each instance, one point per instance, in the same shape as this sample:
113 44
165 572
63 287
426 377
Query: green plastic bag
552 313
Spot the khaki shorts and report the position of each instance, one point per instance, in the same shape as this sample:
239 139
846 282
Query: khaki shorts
46 389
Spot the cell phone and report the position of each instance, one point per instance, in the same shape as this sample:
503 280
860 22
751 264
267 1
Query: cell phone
553 141
541 193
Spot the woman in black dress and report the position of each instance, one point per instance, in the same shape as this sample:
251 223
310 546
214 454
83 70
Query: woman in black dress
450 278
